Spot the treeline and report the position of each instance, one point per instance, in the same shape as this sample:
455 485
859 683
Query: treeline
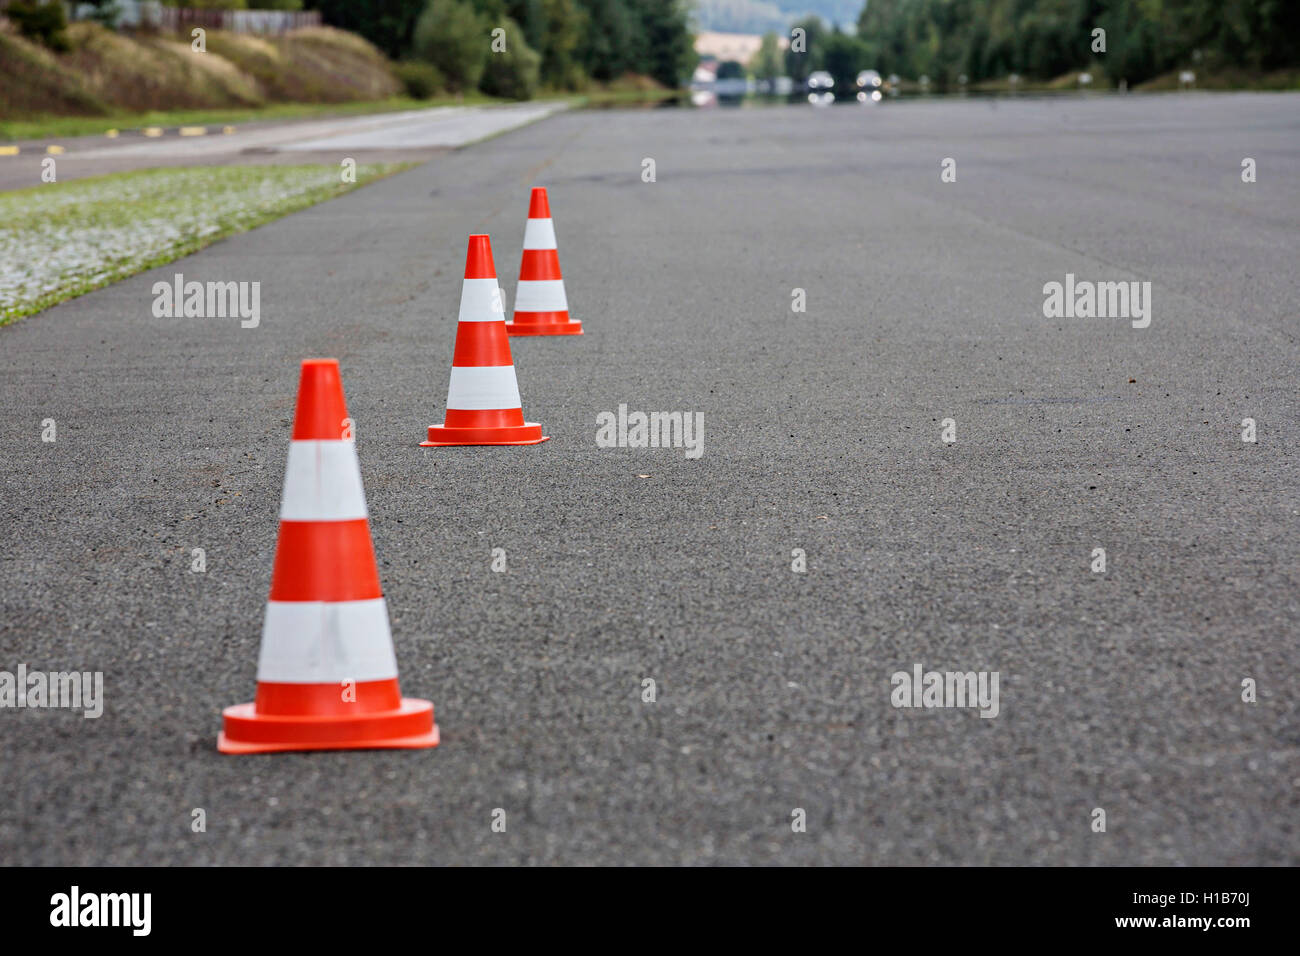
448 45
1042 39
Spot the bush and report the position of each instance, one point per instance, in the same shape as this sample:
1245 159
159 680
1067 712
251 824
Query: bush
422 80
451 36
43 22
512 73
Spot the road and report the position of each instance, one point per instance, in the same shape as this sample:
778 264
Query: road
1119 690
406 136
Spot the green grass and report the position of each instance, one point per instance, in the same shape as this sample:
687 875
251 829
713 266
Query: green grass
62 240
1212 78
601 98
1207 78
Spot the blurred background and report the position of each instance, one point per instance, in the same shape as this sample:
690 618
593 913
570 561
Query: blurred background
120 59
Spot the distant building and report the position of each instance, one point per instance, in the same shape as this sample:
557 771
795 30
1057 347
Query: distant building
706 72
740 47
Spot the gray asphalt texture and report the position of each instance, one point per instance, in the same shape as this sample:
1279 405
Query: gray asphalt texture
822 432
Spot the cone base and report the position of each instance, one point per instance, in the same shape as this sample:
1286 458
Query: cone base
529 433
544 328
410 726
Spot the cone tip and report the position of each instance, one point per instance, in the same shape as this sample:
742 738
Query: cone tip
539 207
478 258
321 407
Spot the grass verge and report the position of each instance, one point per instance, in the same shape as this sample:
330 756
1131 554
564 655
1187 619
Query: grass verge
68 126
62 240
610 98
51 127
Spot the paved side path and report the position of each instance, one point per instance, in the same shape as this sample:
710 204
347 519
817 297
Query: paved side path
1119 691
409 135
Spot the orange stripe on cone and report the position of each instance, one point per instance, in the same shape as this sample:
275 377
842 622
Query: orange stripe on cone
540 264
374 696
327 674
481 343
325 561
484 418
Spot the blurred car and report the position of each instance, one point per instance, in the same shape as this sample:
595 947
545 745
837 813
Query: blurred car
819 81
869 87
821 88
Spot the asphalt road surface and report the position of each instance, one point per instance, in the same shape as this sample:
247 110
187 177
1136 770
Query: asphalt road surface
1119 690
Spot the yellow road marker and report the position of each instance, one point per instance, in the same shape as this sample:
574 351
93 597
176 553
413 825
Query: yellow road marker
8 150
227 130
111 134
194 131
153 131
54 150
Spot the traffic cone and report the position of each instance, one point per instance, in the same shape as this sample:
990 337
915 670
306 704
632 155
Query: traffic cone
541 307
483 406
327 675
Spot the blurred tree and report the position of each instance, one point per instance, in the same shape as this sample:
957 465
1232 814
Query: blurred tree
1047 38
388 24
665 49
45 23
576 39
767 63
554 28
452 36
606 49
513 72
844 56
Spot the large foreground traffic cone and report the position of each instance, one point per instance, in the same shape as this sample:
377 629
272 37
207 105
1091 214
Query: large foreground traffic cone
483 406
327 675
541 307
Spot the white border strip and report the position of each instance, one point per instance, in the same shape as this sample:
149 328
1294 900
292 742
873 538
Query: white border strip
481 300
539 234
326 642
541 295
322 482
484 386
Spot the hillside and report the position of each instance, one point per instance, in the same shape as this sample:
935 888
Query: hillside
106 72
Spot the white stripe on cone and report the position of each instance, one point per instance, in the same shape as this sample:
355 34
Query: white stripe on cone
322 482
481 301
541 295
539 234
326 642
484 386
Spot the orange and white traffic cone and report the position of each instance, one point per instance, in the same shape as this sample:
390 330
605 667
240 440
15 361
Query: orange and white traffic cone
327 675
483 406
541 307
